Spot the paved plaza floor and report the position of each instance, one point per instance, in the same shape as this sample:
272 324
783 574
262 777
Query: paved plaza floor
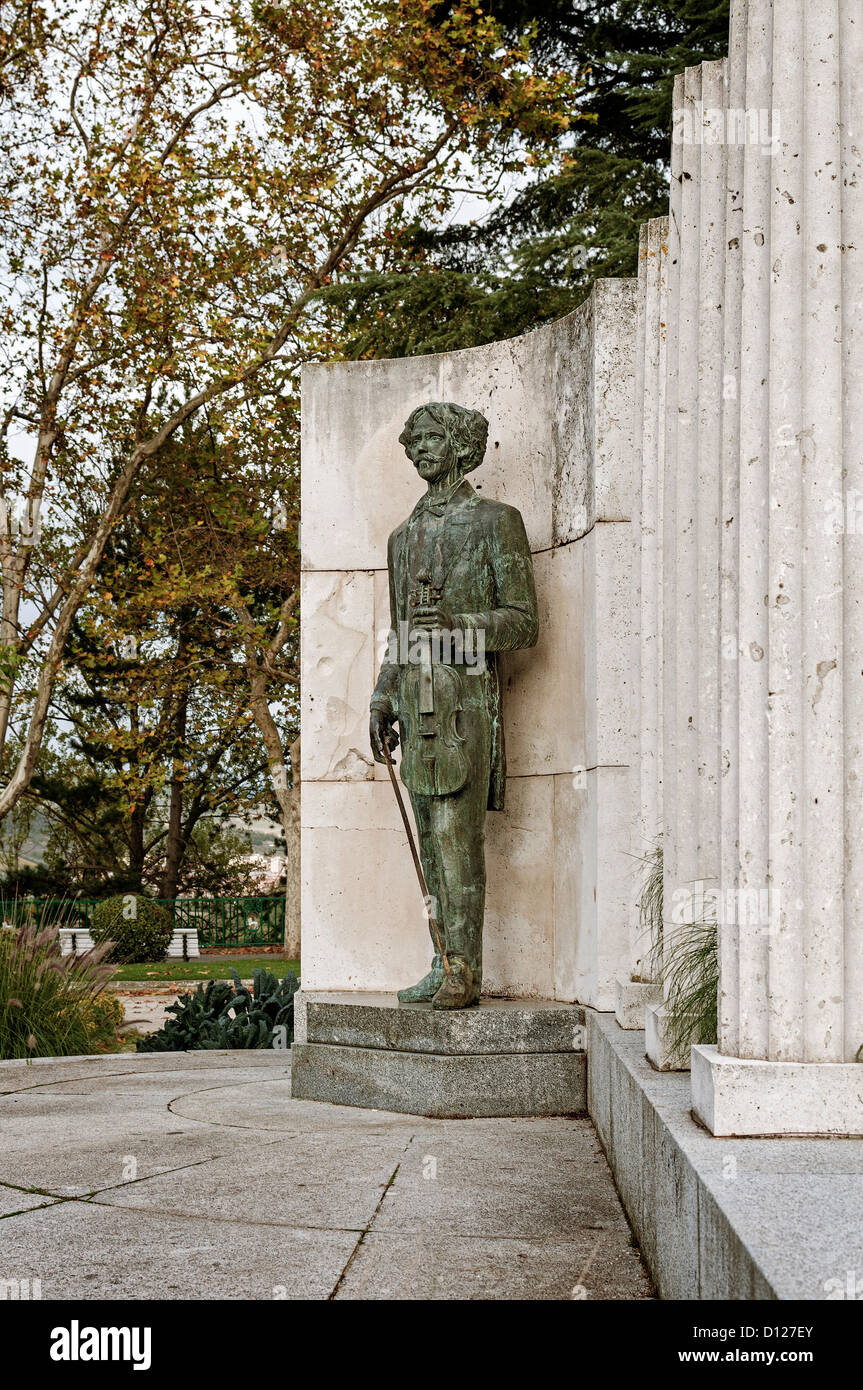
196 1176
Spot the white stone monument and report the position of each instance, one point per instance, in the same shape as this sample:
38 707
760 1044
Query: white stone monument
559 403
688 460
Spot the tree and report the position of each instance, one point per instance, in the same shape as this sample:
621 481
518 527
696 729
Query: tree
535 257
177 187
227 544
153 730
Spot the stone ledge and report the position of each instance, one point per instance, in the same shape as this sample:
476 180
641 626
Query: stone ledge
495 1026
743 1097
457 1086
722 1218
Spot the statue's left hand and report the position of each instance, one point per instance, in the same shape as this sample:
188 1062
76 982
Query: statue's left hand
431 616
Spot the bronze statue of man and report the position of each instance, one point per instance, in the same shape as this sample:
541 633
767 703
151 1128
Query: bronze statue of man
461 590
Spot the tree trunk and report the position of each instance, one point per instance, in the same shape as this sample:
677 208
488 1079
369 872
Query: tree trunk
174 846
137 850
287 797
291 817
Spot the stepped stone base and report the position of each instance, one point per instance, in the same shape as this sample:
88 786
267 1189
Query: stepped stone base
505 1057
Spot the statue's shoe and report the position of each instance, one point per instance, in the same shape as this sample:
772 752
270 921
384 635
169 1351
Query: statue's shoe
458 990
426 988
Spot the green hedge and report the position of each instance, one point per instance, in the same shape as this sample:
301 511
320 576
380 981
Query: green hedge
140 929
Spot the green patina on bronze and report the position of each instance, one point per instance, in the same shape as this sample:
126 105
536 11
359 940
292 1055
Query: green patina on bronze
461 583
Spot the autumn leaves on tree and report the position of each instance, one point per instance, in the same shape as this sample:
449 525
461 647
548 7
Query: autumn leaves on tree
179 184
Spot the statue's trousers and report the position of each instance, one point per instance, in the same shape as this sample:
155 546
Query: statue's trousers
452 845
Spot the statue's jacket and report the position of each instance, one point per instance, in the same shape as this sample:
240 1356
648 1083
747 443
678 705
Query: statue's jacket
483 569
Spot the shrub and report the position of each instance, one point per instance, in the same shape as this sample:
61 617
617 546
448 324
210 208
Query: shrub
46 998
103 1015
139 929
221 1015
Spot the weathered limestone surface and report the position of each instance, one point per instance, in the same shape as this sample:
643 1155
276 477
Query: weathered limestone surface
733 1096
559 405
338 662
633 999
760 626
645 654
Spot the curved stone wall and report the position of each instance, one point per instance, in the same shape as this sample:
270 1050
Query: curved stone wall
560 879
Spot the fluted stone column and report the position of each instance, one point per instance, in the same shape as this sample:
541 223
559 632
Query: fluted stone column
730 505
654 1016
695 377
762 575
635 989
790 680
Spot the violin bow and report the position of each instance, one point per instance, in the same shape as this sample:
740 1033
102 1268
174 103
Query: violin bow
427 899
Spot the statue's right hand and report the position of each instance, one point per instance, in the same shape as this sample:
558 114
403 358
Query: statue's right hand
381 729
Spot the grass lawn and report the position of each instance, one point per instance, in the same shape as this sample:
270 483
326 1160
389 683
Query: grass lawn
206 968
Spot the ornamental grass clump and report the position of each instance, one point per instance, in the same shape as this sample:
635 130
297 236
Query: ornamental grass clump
690 975
650 902
684 961
46 999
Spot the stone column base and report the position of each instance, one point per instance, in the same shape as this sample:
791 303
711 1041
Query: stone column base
505 1057
632 998
737 1096
657 1043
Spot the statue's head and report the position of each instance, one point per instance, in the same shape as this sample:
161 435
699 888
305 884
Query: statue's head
441 438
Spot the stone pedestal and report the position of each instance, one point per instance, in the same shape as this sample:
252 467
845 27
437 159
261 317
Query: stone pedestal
505 1057
748 1097
633 999
657 1041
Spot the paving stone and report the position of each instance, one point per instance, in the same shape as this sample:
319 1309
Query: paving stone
241 1191
303 1181
426 1265
102 1143
272 1108
169 1083
41 1071
543 1206
13 1199
81 1250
